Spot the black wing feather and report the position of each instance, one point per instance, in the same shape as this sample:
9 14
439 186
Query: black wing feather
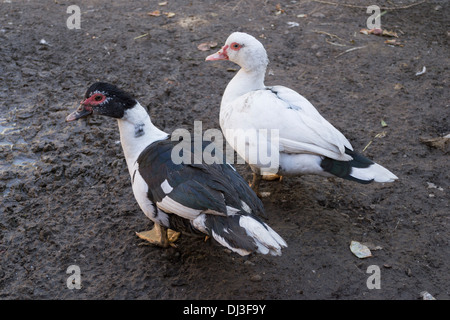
197 186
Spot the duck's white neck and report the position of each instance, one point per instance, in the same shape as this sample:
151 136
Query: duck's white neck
244 81
136 133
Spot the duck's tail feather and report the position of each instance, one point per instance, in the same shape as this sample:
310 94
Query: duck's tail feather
359 169
241 233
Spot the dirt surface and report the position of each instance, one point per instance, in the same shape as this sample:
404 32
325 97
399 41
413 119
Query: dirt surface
67 197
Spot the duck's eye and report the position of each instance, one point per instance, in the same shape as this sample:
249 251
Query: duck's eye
235 46
98 98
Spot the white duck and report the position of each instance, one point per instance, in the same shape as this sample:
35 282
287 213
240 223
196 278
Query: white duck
303 141
185 197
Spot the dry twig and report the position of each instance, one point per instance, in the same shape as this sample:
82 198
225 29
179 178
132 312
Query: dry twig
349 50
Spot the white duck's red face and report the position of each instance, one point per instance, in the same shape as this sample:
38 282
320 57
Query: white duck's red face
105 99
242 49
223 54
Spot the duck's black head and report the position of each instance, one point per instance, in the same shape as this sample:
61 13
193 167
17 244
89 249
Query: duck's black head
105 99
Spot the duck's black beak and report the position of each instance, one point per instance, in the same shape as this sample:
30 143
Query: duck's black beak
82 112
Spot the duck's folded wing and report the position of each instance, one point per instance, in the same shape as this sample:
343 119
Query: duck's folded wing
301 128
189 190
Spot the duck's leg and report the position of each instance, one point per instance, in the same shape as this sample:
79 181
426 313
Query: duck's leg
257 180
172 236
159 236
255 183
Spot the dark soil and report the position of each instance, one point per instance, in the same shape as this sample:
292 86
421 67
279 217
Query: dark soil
67 197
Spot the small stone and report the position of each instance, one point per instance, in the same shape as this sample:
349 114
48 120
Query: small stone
256 278
318 15
427 296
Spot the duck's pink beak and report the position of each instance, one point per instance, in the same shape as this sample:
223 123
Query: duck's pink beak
82 112
219 55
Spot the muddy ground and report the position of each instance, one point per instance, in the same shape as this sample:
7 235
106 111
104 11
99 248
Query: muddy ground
67 197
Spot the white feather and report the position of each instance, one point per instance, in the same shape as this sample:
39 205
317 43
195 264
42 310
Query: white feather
166 187
246 207
374 172
199 223
231 211
169 205
267 238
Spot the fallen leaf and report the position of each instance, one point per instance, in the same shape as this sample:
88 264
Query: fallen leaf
442 143
155 13
379 32
170 14
398 86
162 3
394 42
376 31
431 185
170 80
383 123
360 250
427 296
364 31
278 9
205 46
387 33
